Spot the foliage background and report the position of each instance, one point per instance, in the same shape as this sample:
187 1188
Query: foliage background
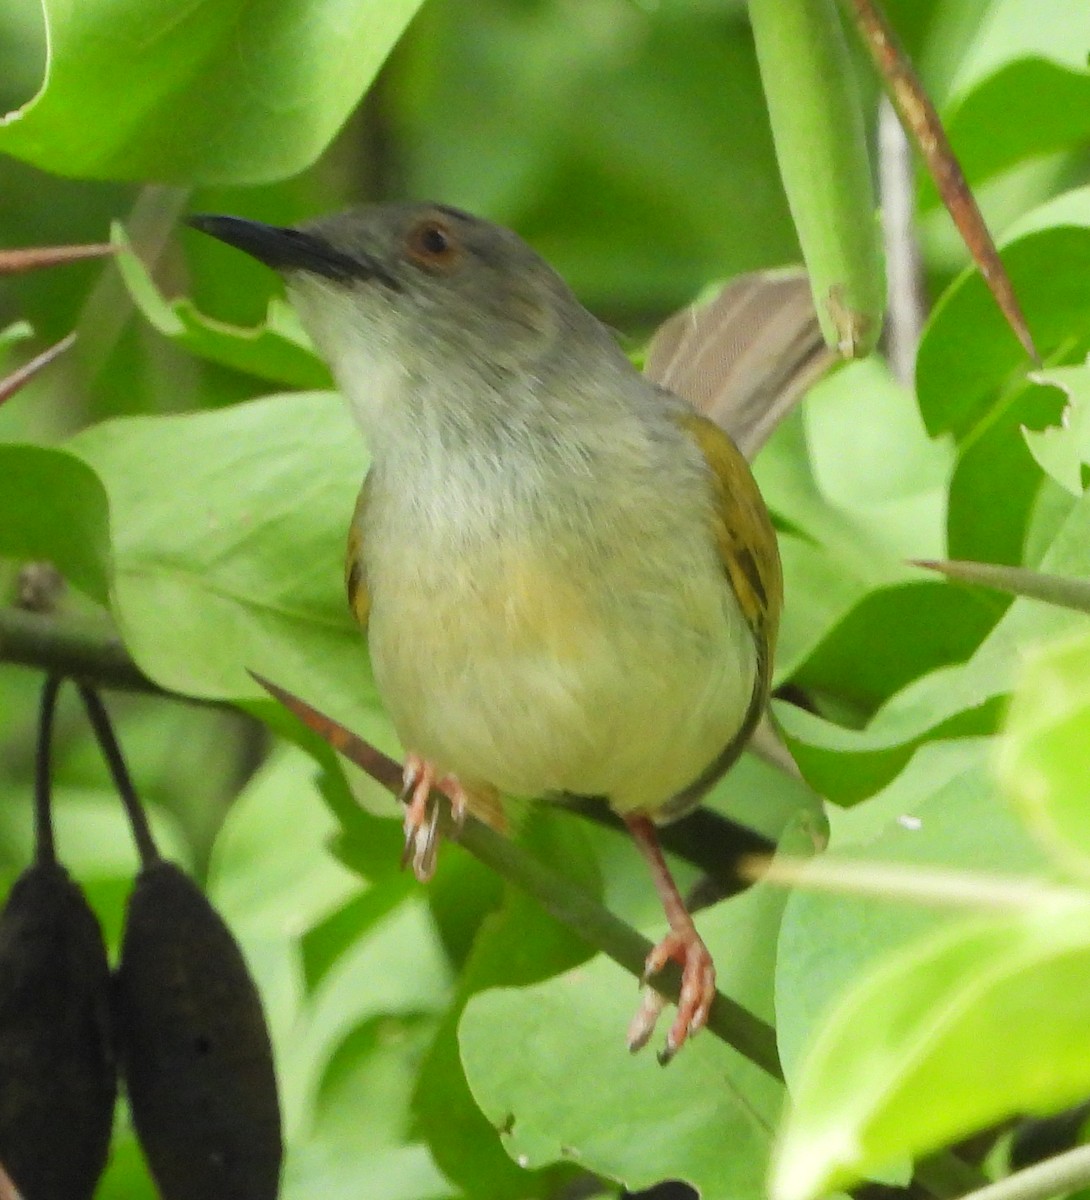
629 143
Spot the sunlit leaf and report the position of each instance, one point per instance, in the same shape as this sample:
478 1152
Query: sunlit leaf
896 1067
1042 759
233 91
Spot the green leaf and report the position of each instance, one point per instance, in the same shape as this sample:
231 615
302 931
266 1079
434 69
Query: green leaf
517 943
896 1069
13 334
233 91
549 1068
278 350
894 635
941 811
846 765
1042 760
1064 450
968 355
53 506
229 531
1021 89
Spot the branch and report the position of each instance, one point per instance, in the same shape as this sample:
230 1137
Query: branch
1056 1176
90 653
599 928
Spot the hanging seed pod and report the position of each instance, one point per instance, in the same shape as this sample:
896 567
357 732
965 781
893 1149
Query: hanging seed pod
58 1078
194 1047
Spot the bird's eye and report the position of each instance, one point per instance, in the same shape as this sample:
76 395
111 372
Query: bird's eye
431 245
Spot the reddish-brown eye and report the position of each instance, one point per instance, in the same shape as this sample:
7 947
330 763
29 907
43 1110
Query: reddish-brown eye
431 245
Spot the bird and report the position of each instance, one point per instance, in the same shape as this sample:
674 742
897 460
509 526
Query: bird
568 578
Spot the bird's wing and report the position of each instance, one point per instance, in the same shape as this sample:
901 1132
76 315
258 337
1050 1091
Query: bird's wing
743 531
750 556
355 579
746 357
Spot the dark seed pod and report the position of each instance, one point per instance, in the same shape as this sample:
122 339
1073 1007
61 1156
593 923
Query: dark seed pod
194 1047
58 1077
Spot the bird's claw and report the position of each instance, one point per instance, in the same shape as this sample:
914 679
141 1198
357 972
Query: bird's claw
694 1001
422 813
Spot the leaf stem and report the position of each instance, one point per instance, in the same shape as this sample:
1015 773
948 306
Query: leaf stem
1057 1176
115 760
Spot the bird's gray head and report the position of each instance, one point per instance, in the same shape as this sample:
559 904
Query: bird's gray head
424 286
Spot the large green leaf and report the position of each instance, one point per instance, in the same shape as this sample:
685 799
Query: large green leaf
943 810
897 1067
1042 762
1022 88
52 506
517 943
218 91
549 1068
228 534
968 357
847 765
1064 450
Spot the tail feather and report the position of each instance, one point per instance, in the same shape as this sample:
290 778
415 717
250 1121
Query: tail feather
746 357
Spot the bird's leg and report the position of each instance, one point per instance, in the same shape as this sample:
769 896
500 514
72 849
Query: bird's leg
682 944
422 813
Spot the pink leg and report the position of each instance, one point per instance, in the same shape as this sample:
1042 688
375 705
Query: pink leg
422 813
683 945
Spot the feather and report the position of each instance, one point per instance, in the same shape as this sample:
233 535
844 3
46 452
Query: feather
745 358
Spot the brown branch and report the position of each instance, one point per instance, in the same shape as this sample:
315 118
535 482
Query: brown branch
33 258
23 375
923 124
92 653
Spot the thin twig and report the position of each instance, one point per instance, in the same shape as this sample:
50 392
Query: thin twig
940 887
729 1021
1067 1172
32 258
115 760
45 853
24 374
922 122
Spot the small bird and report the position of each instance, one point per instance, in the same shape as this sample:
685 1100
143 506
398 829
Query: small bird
568 577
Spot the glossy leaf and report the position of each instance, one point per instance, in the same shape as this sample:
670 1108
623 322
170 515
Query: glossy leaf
231 92
1064 451
847 764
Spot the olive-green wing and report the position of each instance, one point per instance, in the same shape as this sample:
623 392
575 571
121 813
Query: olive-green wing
743 535
355 578
750 556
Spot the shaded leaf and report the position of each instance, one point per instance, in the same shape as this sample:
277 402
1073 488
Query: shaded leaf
53 506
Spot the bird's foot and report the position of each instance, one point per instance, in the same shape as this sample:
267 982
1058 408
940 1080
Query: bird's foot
422 813
685 947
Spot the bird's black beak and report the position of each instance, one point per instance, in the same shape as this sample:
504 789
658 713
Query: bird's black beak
286 249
